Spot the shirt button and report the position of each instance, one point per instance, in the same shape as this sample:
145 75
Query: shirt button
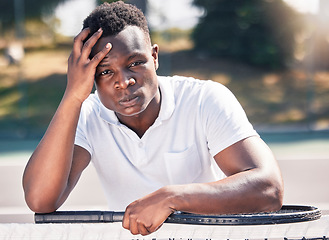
140 144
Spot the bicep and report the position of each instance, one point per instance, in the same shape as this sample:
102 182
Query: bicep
249 153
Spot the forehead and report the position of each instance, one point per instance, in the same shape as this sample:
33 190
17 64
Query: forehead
131 39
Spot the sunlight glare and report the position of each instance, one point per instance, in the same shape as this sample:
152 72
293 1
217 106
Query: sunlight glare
304 6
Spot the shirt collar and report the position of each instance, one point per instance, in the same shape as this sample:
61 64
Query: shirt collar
166 110
105 113
167 98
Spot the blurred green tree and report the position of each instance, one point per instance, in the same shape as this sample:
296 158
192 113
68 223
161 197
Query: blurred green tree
14 13
28 9
257 32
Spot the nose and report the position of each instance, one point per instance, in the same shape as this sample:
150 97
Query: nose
124 81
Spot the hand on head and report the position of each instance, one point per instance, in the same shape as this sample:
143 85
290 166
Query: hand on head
81 69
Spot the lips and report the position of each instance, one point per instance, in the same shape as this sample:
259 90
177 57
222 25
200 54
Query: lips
129 101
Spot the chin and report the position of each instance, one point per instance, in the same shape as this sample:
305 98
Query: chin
131 113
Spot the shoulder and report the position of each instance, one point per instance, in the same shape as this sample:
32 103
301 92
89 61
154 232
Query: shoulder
186 86
92 102
180 81
190 82
90 106
203 90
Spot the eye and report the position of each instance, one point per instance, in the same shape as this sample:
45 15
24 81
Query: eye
134 64
105 72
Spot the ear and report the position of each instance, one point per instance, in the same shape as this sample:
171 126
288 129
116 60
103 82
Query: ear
155 55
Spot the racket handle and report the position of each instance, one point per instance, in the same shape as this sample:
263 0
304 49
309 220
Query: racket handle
79 217
110 217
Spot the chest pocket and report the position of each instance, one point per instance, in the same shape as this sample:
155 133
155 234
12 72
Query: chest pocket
183 167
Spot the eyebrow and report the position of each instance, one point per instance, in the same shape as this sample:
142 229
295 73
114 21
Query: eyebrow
134 55
103 65
137 54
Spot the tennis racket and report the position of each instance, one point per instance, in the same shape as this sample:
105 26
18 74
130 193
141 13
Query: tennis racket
287 214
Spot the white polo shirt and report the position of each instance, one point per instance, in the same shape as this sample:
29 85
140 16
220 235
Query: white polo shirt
197 120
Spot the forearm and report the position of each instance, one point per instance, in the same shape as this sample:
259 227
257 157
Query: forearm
46 175
53 170
244 192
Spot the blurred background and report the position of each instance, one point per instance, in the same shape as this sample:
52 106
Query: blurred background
272 54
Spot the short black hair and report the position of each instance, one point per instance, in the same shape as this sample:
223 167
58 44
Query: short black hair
114 17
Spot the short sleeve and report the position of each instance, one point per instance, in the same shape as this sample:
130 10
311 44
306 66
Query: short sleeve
81 135
224 119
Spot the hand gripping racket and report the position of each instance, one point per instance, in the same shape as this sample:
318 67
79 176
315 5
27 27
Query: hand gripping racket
287 214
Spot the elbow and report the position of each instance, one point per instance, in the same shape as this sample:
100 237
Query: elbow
275 200
273 196
41 199
40 207
39 203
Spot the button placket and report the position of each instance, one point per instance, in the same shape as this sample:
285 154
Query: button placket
140 144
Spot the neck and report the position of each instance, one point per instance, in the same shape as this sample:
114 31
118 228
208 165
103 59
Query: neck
139 123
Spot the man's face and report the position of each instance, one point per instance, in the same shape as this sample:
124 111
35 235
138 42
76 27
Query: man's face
126 79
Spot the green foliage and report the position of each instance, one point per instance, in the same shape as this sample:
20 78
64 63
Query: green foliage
257 32
27 9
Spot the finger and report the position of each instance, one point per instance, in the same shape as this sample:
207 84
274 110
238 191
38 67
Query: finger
125 220
78 41
90 43
142 229
133 226
100 55
154 227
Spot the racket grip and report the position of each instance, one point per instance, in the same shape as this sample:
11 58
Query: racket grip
79 217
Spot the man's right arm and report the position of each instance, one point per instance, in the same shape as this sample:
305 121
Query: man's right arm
47 179
56 164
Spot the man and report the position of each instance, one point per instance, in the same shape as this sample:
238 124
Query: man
159 144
